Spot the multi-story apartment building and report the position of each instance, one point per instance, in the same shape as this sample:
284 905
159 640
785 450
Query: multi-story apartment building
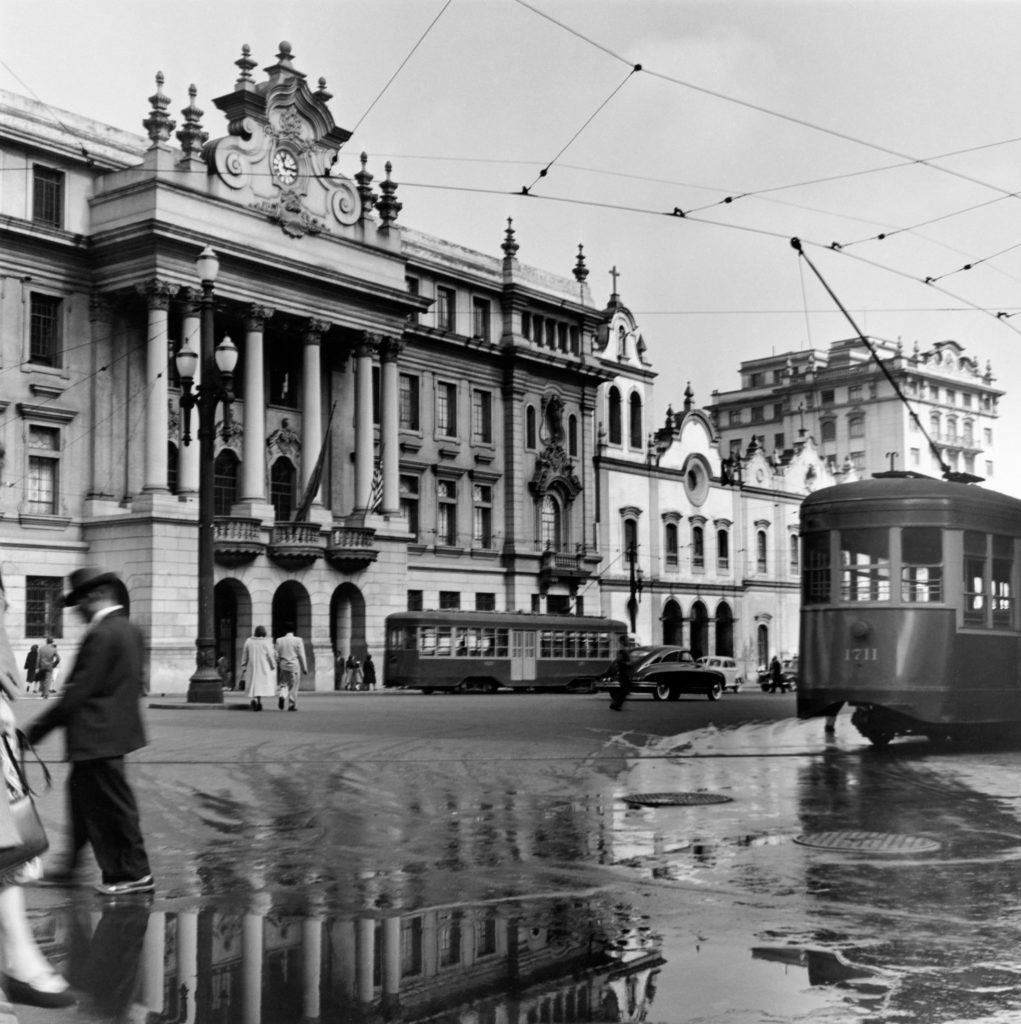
843 400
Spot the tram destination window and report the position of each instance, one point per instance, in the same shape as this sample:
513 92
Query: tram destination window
865 565
815 580
921 573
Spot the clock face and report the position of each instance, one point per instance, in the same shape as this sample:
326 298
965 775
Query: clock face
285 167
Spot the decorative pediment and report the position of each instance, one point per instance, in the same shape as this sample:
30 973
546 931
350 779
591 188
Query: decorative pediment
554 469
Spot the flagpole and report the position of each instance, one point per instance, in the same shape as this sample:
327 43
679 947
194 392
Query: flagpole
312 487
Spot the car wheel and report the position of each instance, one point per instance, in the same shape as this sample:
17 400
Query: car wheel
715 692
427 690
661 691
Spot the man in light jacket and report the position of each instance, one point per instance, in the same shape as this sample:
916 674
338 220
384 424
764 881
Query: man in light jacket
290 666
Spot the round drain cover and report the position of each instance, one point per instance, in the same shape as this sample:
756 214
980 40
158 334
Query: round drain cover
867 842
675 799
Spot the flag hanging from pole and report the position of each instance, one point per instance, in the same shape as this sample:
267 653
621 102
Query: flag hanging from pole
312 487
376 493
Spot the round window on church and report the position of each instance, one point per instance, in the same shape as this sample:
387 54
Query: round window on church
696 481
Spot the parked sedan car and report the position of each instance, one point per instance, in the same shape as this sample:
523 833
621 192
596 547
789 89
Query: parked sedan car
732 674
666 672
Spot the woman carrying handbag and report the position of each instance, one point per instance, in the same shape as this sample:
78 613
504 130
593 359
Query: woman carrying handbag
27 975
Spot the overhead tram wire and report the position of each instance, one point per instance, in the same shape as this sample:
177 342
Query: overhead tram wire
974 263
866 341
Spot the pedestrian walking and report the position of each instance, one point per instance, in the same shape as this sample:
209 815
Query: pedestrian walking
291 665
357 676
27 975
369 671
349 667
258 668
100 713
775 675
31 663
46 665
623 671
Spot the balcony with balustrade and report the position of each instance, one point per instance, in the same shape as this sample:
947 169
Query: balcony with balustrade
351 548
237 540
295 545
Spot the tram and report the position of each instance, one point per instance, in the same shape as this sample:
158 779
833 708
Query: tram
458 651
909 611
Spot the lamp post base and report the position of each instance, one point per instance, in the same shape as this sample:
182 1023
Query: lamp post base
205 686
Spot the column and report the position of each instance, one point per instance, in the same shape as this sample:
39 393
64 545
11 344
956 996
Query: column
187 960
364 441
101 453
391 951
365 957
253 467
390 425
188 455
251 968
153 949
157 295
312 965
311 402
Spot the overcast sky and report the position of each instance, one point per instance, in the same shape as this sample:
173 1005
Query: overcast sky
732 98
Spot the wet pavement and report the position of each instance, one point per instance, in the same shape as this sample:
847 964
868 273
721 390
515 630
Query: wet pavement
477 860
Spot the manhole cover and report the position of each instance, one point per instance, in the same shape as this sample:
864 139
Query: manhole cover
867 842
675 799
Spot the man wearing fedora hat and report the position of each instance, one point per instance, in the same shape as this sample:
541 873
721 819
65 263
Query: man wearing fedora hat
99 711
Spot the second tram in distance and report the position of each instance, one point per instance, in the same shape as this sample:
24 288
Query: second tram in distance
458 651
908 607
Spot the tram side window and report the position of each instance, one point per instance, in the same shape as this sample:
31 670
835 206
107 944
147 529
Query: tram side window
501 643
974 578
865 565
443 641
815 579
545 644
921 572
427 641
1003 575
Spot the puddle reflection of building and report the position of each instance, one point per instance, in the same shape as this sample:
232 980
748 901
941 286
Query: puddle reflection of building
508 963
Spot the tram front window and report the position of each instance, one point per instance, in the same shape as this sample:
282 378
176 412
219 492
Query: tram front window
922 564
865 565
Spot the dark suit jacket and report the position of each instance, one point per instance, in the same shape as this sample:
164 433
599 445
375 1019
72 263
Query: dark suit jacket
100 705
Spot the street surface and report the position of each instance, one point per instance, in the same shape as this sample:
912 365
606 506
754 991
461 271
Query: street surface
481 860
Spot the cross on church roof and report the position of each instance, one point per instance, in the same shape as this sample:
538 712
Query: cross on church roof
614 273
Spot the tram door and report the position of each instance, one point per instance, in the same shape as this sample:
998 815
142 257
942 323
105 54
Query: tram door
522 667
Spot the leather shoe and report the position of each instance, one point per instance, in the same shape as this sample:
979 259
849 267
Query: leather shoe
280 703
27 994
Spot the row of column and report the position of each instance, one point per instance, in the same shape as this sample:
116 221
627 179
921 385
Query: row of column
159 294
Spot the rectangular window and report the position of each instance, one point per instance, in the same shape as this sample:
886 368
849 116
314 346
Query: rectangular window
734 418
409 503
921 571
446 410
485 935
411 946
1002 582
778 411
735 447
480 319
966 399
526 326
916 457
974 578
446 512
47 196
44 330
44 606
450 600
755 380
854 393
865 564
411 283
283 370
778 440
485 602
826 397
482 416
858 461
815 579
407 398
445 311
482 513
951 398
856 427
758 414
987 436
43 470
450 939
989 470
415 601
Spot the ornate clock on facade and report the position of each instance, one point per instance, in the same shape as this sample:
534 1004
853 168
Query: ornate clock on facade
285 167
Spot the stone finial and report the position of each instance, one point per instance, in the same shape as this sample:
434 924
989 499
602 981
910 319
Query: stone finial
246 64
689 398
669 425
510 246
158 124
191 136
580 270
322 94
364 181
387 204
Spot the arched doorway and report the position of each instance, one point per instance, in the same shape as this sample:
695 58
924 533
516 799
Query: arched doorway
724 630
699 630
232 610
347 627
292 610
673 624
762 644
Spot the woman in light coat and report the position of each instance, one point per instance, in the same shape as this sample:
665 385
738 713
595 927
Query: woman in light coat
259 668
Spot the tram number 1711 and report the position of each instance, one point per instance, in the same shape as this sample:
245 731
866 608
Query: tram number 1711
860 654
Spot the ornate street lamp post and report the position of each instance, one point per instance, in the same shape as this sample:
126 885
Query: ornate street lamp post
216 374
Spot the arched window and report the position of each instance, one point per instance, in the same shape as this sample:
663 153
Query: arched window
530 426
934 426
670 544
550 537
616 427
699 631
722 550
724 630
856 426
172 479
281 488
697 547
762 645
828 430
635 420
673 624
795 564
761 549
225 482
630 536
572 436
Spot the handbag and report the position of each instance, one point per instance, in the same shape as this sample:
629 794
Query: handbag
29 826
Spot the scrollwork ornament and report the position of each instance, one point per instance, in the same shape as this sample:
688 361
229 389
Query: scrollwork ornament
345 203
232 167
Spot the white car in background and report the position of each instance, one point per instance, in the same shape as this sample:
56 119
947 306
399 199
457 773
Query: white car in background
732 674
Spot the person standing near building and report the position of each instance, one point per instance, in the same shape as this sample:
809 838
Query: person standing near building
622 671
47 663
31 664
100 713
369 672
291 665
258 668
775 675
